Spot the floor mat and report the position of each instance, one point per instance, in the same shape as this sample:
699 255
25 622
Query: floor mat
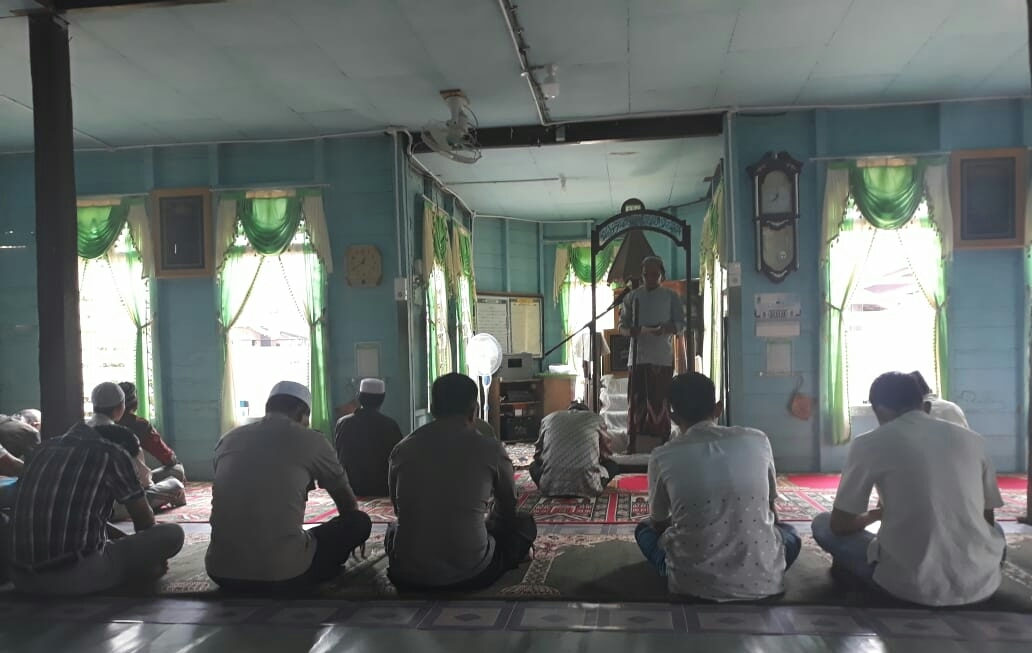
624 502
597 568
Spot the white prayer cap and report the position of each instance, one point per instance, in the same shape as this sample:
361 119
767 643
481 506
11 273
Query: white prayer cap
293 389
372 387
107 395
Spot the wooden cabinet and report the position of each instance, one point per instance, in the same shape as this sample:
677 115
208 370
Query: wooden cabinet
515 408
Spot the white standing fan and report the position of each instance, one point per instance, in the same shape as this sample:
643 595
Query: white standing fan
484 357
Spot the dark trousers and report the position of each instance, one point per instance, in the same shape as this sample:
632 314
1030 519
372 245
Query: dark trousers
512 544
335 541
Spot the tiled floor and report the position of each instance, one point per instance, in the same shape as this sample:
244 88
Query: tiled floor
124 625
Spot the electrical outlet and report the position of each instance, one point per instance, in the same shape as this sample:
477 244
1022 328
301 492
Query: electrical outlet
401 289
734 275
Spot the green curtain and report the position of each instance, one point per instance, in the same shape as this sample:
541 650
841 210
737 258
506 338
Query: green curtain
134 291
580 261
887 196
467 300
712 272
235 283
842 268
99 228
923 247
270 224
313 307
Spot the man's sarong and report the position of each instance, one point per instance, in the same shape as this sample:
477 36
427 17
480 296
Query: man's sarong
648 401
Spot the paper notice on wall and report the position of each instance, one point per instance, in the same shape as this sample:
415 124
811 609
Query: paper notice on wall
525 325
493 318
777 315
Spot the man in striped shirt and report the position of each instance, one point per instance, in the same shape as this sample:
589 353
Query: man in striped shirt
65 496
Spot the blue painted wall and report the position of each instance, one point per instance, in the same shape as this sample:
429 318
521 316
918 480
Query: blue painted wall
360 209
986 300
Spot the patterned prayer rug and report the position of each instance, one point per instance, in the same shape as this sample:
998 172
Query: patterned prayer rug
625 501
596 568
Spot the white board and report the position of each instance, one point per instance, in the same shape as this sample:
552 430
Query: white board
514 321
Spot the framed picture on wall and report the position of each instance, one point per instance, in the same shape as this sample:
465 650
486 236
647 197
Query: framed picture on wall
988 198
616 361
184 233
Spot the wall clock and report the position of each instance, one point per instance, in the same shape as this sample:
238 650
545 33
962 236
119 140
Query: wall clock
775 214
365 266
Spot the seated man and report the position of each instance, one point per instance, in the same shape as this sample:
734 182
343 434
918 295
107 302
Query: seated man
108 406
263 472
365 440
442 480
571 455
149 438
10 468
938 544
64 500
17 436
713 531
937 407
30 416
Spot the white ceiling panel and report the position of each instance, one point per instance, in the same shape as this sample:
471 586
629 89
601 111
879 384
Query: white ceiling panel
775 24
368 64
599 177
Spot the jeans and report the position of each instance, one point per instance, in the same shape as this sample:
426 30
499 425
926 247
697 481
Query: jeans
122 561
648 541
849 552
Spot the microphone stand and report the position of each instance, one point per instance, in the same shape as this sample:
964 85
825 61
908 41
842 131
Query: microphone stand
587 325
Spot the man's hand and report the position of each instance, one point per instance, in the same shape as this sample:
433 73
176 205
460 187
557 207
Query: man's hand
636 331
667 328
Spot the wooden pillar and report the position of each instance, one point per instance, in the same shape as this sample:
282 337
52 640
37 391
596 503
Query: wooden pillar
57 276
1027 517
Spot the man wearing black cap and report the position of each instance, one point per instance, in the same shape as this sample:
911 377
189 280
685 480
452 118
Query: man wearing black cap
150 439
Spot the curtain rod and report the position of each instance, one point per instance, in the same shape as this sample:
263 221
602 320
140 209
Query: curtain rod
294 186
894 155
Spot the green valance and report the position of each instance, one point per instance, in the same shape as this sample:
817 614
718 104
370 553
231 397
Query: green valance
270 224
887 196
441 238
580 261
99 228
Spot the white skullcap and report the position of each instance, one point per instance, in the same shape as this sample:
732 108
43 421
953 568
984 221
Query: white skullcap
293 389
372 387
107 395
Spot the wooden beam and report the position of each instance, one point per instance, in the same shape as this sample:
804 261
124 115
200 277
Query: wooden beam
57 263
61 6
1027 518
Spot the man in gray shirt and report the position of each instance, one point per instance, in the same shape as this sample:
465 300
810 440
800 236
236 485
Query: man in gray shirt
652 315
442 479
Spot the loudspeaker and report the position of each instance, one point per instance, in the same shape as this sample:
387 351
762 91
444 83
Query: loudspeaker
184 234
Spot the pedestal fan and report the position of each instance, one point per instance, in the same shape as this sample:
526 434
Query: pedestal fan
483 357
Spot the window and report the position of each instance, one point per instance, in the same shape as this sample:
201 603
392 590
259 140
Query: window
270 340
113 298
578 314
890 324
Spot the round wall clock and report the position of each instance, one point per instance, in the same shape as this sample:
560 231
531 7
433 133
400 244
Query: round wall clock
364 266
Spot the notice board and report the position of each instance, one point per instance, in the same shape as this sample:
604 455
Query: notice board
514 320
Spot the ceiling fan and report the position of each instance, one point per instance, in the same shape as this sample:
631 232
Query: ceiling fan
456 138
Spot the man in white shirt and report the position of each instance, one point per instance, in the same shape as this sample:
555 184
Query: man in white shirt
571 455
713 532
652 315
263 473
938 544
938 407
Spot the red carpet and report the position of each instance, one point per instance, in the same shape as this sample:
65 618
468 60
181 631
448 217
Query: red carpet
625 501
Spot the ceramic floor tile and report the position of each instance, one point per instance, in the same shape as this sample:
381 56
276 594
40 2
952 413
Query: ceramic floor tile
309 615
87 610
820 622
1014 628
918 626
659 618
188 612
740 620
388 615
469 617
553 616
